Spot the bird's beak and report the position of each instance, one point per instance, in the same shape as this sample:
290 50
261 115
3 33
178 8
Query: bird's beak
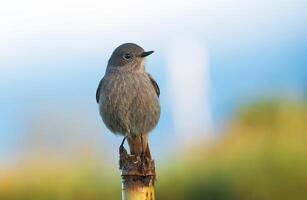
146 53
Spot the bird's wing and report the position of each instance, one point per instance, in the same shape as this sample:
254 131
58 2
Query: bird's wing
98 91
154 84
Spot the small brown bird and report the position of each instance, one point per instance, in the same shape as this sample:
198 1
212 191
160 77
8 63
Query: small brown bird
128 97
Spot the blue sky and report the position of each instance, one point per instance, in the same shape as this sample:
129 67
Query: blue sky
53 56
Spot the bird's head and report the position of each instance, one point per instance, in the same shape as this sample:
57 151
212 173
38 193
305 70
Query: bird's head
128 56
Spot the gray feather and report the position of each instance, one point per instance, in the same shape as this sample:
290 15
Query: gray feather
127 95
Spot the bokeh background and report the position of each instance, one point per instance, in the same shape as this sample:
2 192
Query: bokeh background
233 80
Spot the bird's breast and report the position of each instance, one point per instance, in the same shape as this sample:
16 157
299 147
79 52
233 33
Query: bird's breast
129 103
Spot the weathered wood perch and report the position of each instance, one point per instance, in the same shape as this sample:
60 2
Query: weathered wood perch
137 178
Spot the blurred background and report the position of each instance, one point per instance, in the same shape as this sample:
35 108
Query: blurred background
233 80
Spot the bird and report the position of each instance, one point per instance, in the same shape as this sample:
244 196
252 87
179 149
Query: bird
128 98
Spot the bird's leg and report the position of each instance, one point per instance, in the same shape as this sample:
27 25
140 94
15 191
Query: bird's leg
143 156
121 147
137 145
147 151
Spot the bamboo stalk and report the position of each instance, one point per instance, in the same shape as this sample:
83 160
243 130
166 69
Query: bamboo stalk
137 178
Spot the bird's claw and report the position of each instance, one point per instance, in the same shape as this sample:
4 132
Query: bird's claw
143 158
144 162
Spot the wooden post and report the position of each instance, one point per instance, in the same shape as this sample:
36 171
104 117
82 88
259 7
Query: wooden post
137 178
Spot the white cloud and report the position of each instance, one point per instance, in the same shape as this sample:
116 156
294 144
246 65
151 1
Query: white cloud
22 17
25 24
34 25
189 86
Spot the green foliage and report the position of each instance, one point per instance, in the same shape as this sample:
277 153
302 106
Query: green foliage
263 156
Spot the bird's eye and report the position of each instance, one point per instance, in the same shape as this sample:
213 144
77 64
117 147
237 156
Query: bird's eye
127 56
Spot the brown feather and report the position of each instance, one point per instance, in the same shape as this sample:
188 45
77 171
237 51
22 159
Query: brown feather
135 145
